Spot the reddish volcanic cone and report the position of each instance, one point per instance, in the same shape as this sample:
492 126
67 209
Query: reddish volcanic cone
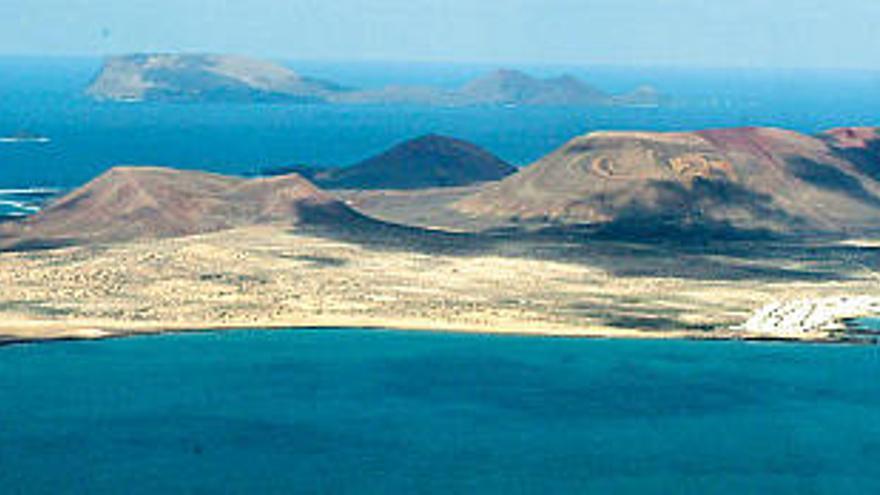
150 202
747 178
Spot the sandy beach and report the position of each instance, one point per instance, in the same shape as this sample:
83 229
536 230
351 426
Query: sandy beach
270 277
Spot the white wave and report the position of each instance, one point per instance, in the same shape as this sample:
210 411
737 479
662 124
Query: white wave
10 140
20 205
28 191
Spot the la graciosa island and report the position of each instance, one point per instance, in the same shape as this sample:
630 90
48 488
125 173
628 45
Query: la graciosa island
652 235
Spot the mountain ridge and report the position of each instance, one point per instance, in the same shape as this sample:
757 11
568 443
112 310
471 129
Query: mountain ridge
649 184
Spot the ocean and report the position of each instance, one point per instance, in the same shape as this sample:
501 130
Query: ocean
355 411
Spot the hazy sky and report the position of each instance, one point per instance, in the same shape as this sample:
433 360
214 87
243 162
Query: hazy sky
764 33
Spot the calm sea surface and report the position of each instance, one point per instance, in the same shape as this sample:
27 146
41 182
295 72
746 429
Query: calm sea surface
347 411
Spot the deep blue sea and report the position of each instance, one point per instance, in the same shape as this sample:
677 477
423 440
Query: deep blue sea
362 412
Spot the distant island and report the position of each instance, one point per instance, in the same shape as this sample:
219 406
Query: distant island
168 77
231 78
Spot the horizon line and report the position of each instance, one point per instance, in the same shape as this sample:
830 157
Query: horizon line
448 62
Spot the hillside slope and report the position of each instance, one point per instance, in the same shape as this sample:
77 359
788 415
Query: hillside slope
146 202
747 178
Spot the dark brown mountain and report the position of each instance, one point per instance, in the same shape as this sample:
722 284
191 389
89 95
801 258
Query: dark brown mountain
146 202
427 161
749 178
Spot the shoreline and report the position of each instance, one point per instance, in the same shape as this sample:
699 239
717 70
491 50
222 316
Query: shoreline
73 333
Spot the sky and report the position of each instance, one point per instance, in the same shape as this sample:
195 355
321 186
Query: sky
688 33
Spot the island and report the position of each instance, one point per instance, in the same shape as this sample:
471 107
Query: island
750 233
168 77
203 77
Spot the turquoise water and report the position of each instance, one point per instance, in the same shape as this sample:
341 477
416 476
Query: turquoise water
17 203
336 411
872 324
